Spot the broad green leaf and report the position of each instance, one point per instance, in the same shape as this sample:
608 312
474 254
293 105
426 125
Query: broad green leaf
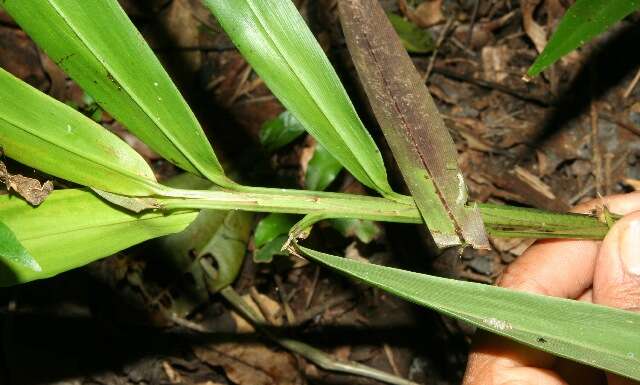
271 249
275 40
595 335
75 227
12 250
322 169
278 132
414 38
412 125
365 231
582 22
97 45
50 136
271 226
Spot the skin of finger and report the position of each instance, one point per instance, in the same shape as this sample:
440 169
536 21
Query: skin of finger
613 285
562 268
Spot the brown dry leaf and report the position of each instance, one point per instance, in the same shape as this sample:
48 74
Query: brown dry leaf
535 182
535 31
28 188
252 364
427 14
271 309
495 62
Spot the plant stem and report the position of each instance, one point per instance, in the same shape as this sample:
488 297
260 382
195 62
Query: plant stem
500 221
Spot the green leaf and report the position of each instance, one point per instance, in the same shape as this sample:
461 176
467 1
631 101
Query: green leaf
414 38
271 249
73 228
12 249
412 125
97 45
322 169
275 40
581 23
50 136
365 231
278 132
272 226
595 335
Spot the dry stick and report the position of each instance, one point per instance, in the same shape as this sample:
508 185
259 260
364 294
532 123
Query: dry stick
432 61
474 15
318 357
316 275
595 149
608 158
629 89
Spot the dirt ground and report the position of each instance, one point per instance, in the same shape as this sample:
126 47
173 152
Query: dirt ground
131 319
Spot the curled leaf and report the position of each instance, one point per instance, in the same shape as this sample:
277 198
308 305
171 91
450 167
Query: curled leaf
30 189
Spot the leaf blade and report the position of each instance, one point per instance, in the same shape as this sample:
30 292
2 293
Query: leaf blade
571 329
582 22
74 227
43 133
13 250
275 40
97 45
412 125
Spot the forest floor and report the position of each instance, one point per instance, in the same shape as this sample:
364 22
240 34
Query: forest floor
134 318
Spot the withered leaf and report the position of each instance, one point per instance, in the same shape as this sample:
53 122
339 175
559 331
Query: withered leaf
30 189
415 131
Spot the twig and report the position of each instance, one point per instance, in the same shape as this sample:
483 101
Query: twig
432 60
541 101
314 284
318 357
595 149
632 85
392 362
474 15
608 158
284 298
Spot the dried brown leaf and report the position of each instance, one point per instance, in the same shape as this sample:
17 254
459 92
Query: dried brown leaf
412 125
30 189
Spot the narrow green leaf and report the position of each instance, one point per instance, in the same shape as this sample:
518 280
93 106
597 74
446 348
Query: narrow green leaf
97 45
271 249
595 335
322 169
412 125
75 227
271 226
50 136
278 132
12 250
582 22
414 38
275 40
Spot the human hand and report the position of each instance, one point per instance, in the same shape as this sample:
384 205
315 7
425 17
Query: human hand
606 273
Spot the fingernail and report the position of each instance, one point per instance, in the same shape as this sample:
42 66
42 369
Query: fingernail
630 248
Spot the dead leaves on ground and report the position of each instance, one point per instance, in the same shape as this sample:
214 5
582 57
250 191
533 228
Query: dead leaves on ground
30 189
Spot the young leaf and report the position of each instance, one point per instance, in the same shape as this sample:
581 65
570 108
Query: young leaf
75 227
12 250
272 226
322 169
415 131
595 335
278 132
43 133
414 38
275 40
97 45
581 23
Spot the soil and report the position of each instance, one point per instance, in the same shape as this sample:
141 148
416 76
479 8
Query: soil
567 136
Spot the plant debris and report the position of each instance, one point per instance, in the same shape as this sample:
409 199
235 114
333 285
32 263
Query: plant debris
30 189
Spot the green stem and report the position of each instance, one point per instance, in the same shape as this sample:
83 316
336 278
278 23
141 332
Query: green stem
500 221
